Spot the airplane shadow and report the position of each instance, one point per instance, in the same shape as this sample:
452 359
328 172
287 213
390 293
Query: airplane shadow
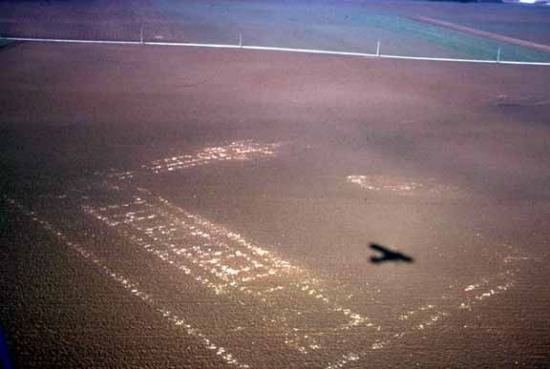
387 255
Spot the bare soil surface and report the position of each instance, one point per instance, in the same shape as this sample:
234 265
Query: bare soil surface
179 207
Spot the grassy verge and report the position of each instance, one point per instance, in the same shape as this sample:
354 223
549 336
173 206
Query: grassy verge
4 42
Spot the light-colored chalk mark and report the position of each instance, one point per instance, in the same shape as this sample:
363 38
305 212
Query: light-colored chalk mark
477 292
383 183
132 288
222 276
225 262
235 151
429 315
347 358
421 318
400 186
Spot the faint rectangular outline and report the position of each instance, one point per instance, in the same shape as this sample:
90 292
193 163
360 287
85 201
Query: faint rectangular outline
437 316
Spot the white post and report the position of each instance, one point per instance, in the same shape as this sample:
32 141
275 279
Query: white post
141 34
498 55
240 40
378 48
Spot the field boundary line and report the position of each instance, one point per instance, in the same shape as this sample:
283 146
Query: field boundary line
274 48
70 40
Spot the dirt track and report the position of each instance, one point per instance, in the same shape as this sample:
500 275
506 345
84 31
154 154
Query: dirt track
490 35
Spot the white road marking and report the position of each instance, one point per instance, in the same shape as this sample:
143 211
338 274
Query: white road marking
71 41
276 49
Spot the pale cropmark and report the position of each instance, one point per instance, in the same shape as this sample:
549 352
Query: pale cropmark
226 263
